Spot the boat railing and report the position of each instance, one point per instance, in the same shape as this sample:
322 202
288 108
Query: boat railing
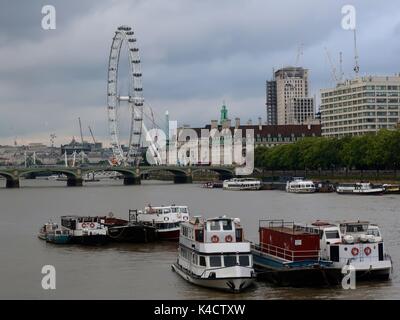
286 254
289 225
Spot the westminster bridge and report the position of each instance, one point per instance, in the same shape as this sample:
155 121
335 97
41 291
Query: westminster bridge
131 175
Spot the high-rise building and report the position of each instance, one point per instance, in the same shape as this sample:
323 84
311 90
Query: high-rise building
271 103
291 84
303 110
360 106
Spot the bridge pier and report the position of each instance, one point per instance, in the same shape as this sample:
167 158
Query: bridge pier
129 180
12 183
74 182
183 179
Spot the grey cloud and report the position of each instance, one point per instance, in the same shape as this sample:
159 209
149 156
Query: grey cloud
194 55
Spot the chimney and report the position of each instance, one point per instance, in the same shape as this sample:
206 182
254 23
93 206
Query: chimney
237 123
214 124
259 123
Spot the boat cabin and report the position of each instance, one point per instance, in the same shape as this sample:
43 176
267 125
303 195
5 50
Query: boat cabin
214 243
166 209
81 223
216 230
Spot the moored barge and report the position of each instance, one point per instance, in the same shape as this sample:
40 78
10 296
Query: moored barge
288 254
120 230
299 254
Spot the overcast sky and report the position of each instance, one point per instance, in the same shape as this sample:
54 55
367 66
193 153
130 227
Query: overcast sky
195 54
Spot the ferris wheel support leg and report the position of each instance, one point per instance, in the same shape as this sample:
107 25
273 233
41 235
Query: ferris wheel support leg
129 180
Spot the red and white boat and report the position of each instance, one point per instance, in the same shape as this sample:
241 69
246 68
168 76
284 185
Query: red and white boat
166 219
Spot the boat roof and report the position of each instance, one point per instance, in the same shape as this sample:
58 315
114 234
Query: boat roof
201 220
165 207
242 179
74 216
344 223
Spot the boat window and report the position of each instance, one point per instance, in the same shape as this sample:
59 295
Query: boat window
230 261
239 234
184 210
199 235
202 261
244 261
227 224
174 210
334 234
214 225
355 228
374 232
215 261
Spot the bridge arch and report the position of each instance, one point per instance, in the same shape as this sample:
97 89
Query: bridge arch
223 173
131 177
175 171
12 180
68 173
7 175
181 175
123 171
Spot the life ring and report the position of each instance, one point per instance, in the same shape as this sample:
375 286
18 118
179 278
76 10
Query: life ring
228 238
214 239
367 251
84 225
92 225
355 251
185 217
166 218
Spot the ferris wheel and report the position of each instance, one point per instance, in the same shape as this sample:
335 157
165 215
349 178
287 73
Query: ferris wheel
124 34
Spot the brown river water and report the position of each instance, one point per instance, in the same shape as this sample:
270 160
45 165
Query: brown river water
143 271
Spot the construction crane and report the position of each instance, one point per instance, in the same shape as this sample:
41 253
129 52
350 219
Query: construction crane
91 133
356 65
299 54
333 68
80 128
341 76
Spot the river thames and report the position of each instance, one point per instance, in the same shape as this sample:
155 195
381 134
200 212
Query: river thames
143 271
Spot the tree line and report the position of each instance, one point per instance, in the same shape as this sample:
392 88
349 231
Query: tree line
368 152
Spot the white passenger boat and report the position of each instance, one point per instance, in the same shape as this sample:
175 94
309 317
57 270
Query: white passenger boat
356 243
166 219
214 254
363 188
300 186
242 184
